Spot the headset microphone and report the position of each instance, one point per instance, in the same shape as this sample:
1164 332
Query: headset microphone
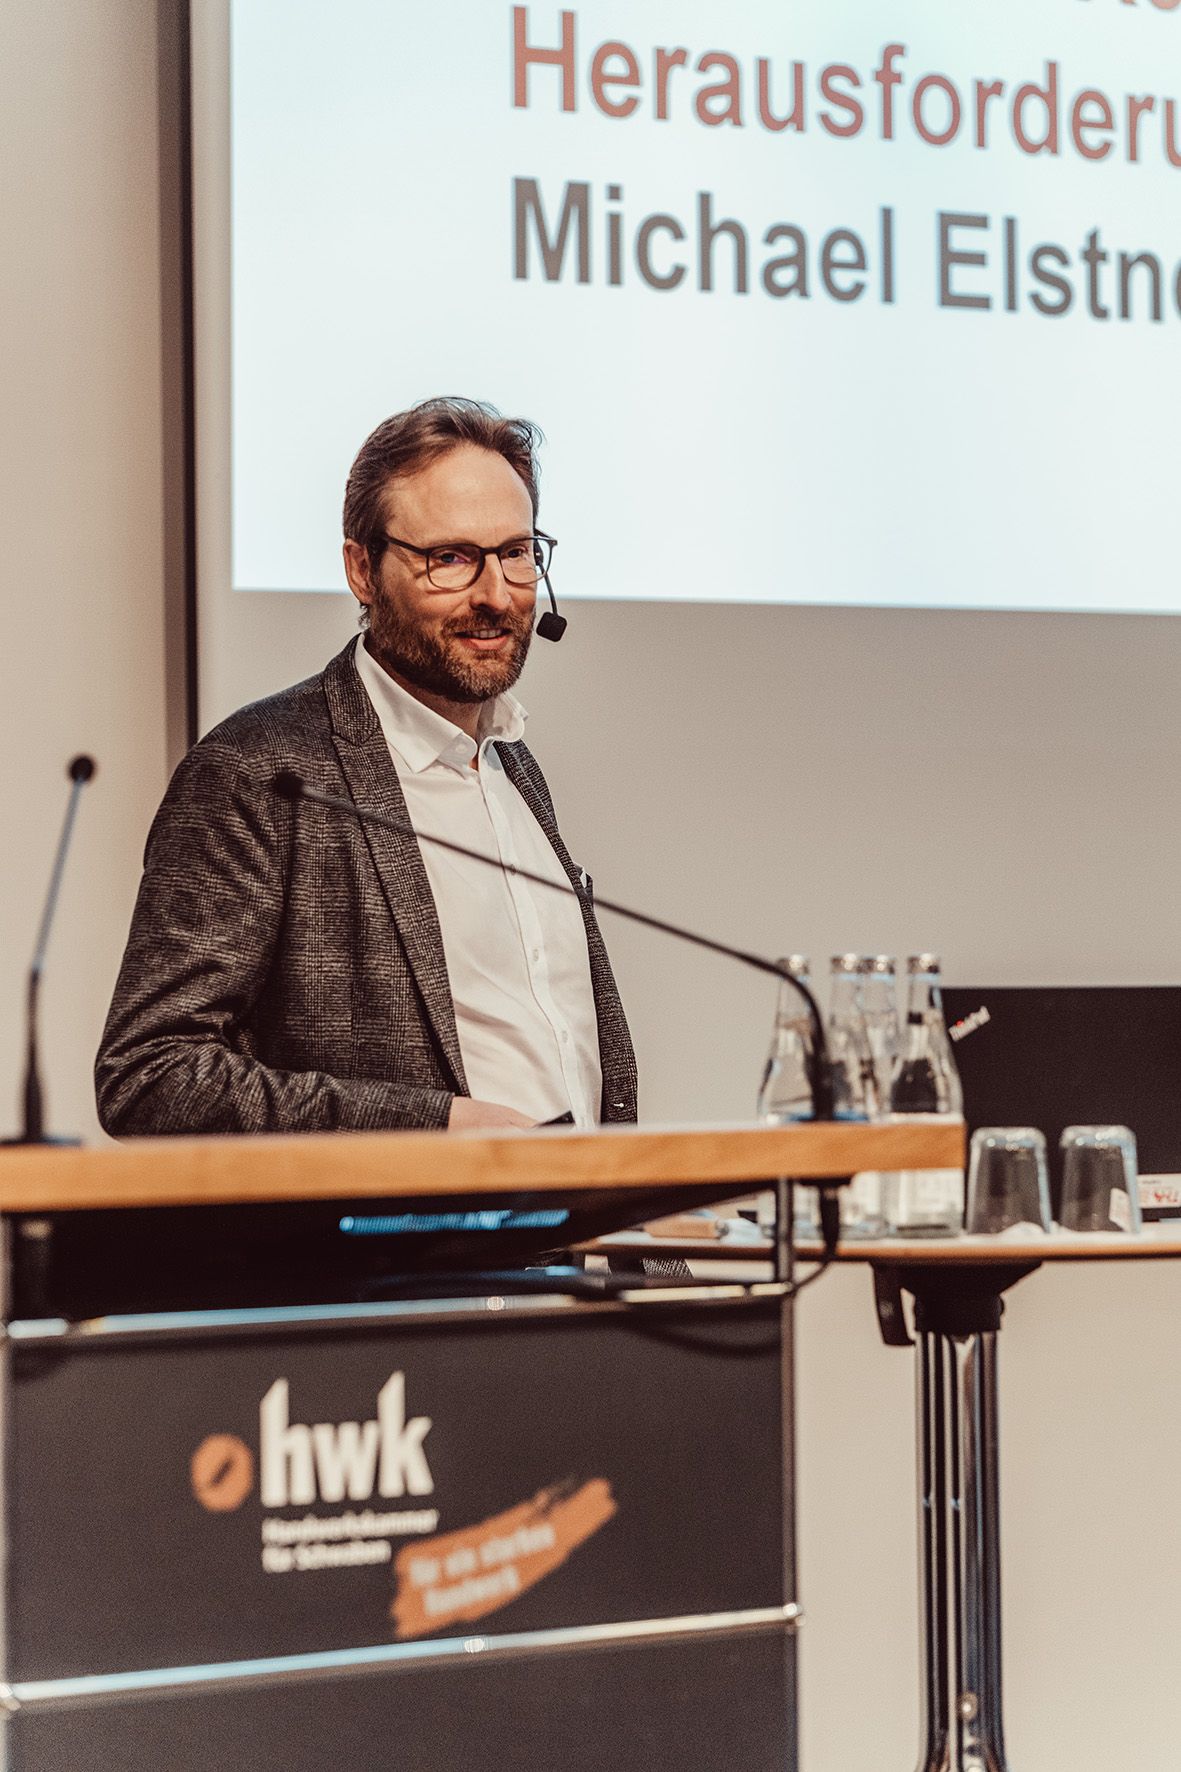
552 625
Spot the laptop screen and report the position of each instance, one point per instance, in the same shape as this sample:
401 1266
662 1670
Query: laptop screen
1072 1055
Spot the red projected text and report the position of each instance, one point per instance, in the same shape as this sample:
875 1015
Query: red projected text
715 89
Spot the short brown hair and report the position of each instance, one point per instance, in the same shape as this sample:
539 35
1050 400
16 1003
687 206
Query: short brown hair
411 440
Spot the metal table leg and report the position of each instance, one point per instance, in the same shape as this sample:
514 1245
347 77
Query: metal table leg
959 1541
957 1317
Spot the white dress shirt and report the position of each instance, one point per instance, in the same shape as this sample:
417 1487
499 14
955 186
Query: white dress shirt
516 953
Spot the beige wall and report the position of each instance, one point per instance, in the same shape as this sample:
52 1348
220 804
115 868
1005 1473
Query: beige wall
81 664
1002 788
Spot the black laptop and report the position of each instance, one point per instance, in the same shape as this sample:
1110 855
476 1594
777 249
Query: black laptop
1075 1055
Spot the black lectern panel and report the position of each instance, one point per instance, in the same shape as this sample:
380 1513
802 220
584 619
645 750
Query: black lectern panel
684 1706
81 1264
192 1500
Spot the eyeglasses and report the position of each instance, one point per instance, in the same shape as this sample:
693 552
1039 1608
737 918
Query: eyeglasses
456 565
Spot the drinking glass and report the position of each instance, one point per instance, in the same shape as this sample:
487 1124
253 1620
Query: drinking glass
1008 1180
1100 1185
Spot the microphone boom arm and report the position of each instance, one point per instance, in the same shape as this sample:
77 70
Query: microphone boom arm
290 786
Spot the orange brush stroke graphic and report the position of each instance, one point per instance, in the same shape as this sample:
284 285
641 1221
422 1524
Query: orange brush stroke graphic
461 1576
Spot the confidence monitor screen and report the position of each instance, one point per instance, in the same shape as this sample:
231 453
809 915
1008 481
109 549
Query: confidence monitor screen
821 302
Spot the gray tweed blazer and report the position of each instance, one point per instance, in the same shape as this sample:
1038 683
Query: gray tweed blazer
285 968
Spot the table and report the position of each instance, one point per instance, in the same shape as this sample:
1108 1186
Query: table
958 1285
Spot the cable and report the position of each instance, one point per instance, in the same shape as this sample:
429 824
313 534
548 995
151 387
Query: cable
830 1232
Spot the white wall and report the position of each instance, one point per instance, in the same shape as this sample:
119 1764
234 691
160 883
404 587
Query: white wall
996 787
1000 788
1090 1370
82 656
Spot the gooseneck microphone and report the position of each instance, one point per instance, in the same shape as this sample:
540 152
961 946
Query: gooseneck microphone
80 770
552 625
290 786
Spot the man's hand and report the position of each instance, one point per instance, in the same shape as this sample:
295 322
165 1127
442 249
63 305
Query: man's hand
467 1114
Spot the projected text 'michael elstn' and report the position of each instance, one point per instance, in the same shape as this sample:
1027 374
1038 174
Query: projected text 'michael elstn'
576 232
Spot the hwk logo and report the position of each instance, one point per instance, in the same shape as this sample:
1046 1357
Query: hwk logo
335 1460
327 1461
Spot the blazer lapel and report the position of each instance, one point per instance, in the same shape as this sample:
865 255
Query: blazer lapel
542 809
615 1047
373 784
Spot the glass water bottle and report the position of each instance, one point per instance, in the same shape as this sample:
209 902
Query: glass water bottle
925 1081
854 1096
879 1003
848 1044
879 999
786 1091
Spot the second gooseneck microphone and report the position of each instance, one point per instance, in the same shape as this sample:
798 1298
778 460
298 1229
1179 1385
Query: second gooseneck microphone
80 770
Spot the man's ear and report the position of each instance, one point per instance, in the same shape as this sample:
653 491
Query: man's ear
358 571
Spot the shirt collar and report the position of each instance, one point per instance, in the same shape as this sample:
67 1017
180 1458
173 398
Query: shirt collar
419 735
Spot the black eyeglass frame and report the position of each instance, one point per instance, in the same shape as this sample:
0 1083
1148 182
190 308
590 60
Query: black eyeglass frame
542 575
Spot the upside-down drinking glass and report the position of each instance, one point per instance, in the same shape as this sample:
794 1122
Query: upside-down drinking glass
1100 1185
1008 1180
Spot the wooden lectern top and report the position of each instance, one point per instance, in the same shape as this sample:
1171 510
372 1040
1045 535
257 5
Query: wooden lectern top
318 1166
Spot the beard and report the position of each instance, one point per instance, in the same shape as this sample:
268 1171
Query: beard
437 662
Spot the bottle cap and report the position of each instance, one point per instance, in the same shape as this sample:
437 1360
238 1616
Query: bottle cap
798 965
878 963
924 963
846 962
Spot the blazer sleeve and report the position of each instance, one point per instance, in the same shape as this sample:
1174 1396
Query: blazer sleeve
175 1056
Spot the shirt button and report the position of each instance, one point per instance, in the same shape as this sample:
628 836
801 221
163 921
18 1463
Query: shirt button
536 954
566 1034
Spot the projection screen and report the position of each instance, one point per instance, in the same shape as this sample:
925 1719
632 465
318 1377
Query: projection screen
828 303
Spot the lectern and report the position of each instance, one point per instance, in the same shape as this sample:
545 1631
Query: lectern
285 1489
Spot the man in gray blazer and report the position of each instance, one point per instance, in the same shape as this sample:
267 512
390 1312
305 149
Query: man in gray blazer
292 970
